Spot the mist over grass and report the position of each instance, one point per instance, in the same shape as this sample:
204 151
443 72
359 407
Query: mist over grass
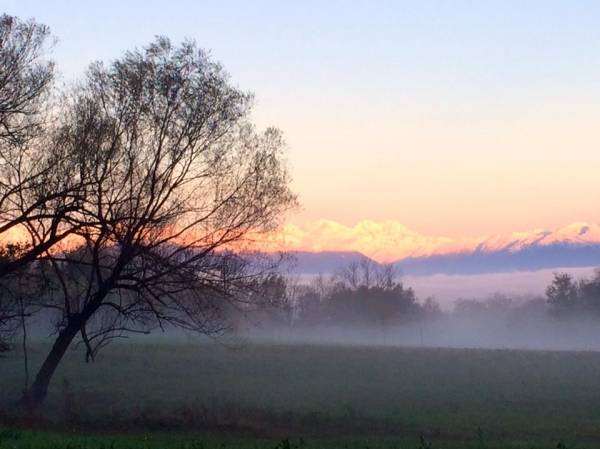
452 331
510 317
358 356
305 390
498 371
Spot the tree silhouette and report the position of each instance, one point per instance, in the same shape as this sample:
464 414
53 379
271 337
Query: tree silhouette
174 182
562 293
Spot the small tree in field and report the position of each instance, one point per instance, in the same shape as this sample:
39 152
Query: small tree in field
174 180
562 293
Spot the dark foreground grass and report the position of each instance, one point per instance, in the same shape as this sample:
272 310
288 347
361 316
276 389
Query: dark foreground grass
14 439
331 396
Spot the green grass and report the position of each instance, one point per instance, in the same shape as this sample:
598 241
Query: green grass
12 439
332 396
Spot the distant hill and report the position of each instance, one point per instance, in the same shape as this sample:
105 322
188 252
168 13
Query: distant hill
575 245
325 262
529 258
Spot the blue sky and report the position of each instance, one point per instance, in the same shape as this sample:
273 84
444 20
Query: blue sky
368 44
478 107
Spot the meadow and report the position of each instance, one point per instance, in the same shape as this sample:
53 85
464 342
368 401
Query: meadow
296 395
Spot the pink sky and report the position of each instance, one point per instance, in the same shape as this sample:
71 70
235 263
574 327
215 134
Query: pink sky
493 171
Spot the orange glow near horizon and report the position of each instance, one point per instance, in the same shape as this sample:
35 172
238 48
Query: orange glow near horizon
385 241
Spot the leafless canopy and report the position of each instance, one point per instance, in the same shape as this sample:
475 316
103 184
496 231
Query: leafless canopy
24 77
173 182
36 191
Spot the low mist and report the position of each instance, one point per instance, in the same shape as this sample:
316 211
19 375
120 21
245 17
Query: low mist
447 288
363 304
514 331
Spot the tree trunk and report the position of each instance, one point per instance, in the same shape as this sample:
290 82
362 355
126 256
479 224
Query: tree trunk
36 394
34 397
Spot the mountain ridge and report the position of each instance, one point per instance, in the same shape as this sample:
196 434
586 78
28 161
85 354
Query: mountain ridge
388 241
574 245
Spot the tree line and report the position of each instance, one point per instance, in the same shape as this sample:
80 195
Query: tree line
366 295
359 294
568 296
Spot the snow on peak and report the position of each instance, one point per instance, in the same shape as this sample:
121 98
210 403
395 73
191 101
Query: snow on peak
387 241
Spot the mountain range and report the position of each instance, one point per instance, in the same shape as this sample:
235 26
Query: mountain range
575 245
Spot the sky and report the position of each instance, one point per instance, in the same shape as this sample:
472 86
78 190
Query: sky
453 119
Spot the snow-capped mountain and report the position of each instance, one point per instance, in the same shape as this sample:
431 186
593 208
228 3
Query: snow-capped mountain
575 245
324 246
573 234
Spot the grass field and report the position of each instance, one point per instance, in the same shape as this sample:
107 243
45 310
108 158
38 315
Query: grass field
181 395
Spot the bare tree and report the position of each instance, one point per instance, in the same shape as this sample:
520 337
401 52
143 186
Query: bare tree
37 188
25 82
177 182
277 297
25 78
10 312
368 273
16 294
